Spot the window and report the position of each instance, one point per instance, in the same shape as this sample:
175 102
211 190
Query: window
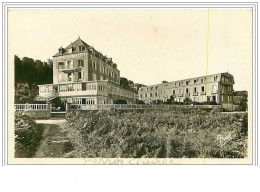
173 92
94 65
81 48
187 90
195 90
156 94
94 77
195 81
179 90
141 96
84 87
79 75
151 94
145 95
68 64
81 63
69 77
202 89
60 51
226 79
187 82
61 65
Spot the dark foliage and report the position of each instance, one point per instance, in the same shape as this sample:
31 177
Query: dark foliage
120 101
243 103
28 136
28 74
140 102
124 82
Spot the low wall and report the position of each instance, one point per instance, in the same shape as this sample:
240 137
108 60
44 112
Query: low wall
230 107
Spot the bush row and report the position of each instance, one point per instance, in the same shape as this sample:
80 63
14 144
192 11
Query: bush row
158 134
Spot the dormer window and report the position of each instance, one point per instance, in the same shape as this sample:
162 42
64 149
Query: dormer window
81 48
60 51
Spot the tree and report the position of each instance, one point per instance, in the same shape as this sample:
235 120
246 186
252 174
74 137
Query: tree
130 82
30 73
243 103
170 101
124 82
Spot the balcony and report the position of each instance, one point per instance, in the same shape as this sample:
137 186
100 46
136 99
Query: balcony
187 95
195 94
69 69
180 95
203 93
214 92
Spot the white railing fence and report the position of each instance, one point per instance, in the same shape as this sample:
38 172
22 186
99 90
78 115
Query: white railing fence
30 107
134 106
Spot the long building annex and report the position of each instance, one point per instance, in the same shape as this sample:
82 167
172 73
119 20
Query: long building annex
216 87
82 75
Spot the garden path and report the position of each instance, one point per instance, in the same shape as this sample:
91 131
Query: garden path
55 142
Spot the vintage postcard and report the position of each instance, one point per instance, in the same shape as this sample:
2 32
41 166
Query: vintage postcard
130 85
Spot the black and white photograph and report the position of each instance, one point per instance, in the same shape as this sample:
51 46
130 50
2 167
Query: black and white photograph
130 85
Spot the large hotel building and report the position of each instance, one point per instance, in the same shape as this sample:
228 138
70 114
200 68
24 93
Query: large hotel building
83 75
217 87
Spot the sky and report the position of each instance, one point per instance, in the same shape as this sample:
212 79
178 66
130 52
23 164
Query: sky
148 45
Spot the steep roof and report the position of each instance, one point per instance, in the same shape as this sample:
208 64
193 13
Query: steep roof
75 46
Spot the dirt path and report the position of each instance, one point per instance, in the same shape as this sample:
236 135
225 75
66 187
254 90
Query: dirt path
54 143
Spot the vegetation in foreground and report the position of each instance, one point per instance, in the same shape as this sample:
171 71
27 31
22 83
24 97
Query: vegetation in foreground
28 136
189 133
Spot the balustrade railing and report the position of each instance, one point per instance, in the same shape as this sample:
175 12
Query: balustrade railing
30 107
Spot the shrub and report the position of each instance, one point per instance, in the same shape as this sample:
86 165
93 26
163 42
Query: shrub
140 102
28 135
187 100
120 101
174 133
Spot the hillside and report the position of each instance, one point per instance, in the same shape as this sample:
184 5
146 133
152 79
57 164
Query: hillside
28 74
